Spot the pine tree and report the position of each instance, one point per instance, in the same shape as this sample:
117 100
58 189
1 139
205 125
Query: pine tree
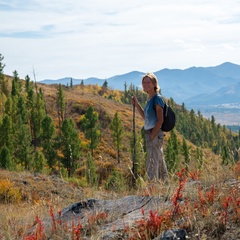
48 141
224 154
2 66
60 104
70 145
104 89
126 97
39 114
11 108
16 85
23 149
171 153
28 84
21 109
82 87
6 159
7 133
2 103
90 126
105 84
29 89
30 105
39 162
140 154
3 87
117 133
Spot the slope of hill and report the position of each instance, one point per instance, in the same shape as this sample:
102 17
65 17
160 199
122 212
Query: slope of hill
79 98
89 97
43 192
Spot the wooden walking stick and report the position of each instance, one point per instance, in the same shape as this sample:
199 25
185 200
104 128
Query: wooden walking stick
134 167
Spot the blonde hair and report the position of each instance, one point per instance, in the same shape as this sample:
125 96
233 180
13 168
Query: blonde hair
154 81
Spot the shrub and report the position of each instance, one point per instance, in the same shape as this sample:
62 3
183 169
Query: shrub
115 182
77 182
91 171
9 193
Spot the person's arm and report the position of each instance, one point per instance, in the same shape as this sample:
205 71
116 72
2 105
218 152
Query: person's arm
139 108
159 111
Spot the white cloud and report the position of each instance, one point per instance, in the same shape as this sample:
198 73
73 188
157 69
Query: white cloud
105 38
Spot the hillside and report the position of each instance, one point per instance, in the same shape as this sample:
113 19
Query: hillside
80 97
78 101
32 194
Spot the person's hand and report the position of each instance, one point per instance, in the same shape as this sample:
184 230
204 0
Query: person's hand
134 100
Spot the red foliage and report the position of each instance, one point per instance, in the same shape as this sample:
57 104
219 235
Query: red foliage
210 195
95 219
76 230
194 175
177 196
224 215
39 233
148 228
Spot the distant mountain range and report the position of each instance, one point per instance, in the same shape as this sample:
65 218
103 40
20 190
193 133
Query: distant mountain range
196 87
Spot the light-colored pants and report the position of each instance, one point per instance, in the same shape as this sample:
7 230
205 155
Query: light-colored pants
155 164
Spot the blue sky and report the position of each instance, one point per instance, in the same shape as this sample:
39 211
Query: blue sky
90 38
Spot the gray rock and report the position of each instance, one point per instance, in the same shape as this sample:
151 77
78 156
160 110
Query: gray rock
173 234
121 214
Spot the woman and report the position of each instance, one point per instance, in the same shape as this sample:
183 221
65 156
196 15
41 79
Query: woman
153 119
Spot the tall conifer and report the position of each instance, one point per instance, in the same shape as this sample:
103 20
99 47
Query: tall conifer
117 133
90 126
70 145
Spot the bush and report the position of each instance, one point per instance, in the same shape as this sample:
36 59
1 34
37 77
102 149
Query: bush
115 182
9 193
77 182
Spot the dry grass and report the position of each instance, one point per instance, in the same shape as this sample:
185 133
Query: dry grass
203 214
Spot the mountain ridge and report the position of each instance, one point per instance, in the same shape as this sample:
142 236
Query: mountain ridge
179 84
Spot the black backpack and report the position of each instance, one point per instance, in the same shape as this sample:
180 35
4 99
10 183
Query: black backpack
169 119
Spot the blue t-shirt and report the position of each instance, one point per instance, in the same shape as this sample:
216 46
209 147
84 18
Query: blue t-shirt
150 111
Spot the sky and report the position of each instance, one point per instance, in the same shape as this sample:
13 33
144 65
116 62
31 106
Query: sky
52 39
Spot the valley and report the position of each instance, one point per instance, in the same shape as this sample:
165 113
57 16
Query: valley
224 114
